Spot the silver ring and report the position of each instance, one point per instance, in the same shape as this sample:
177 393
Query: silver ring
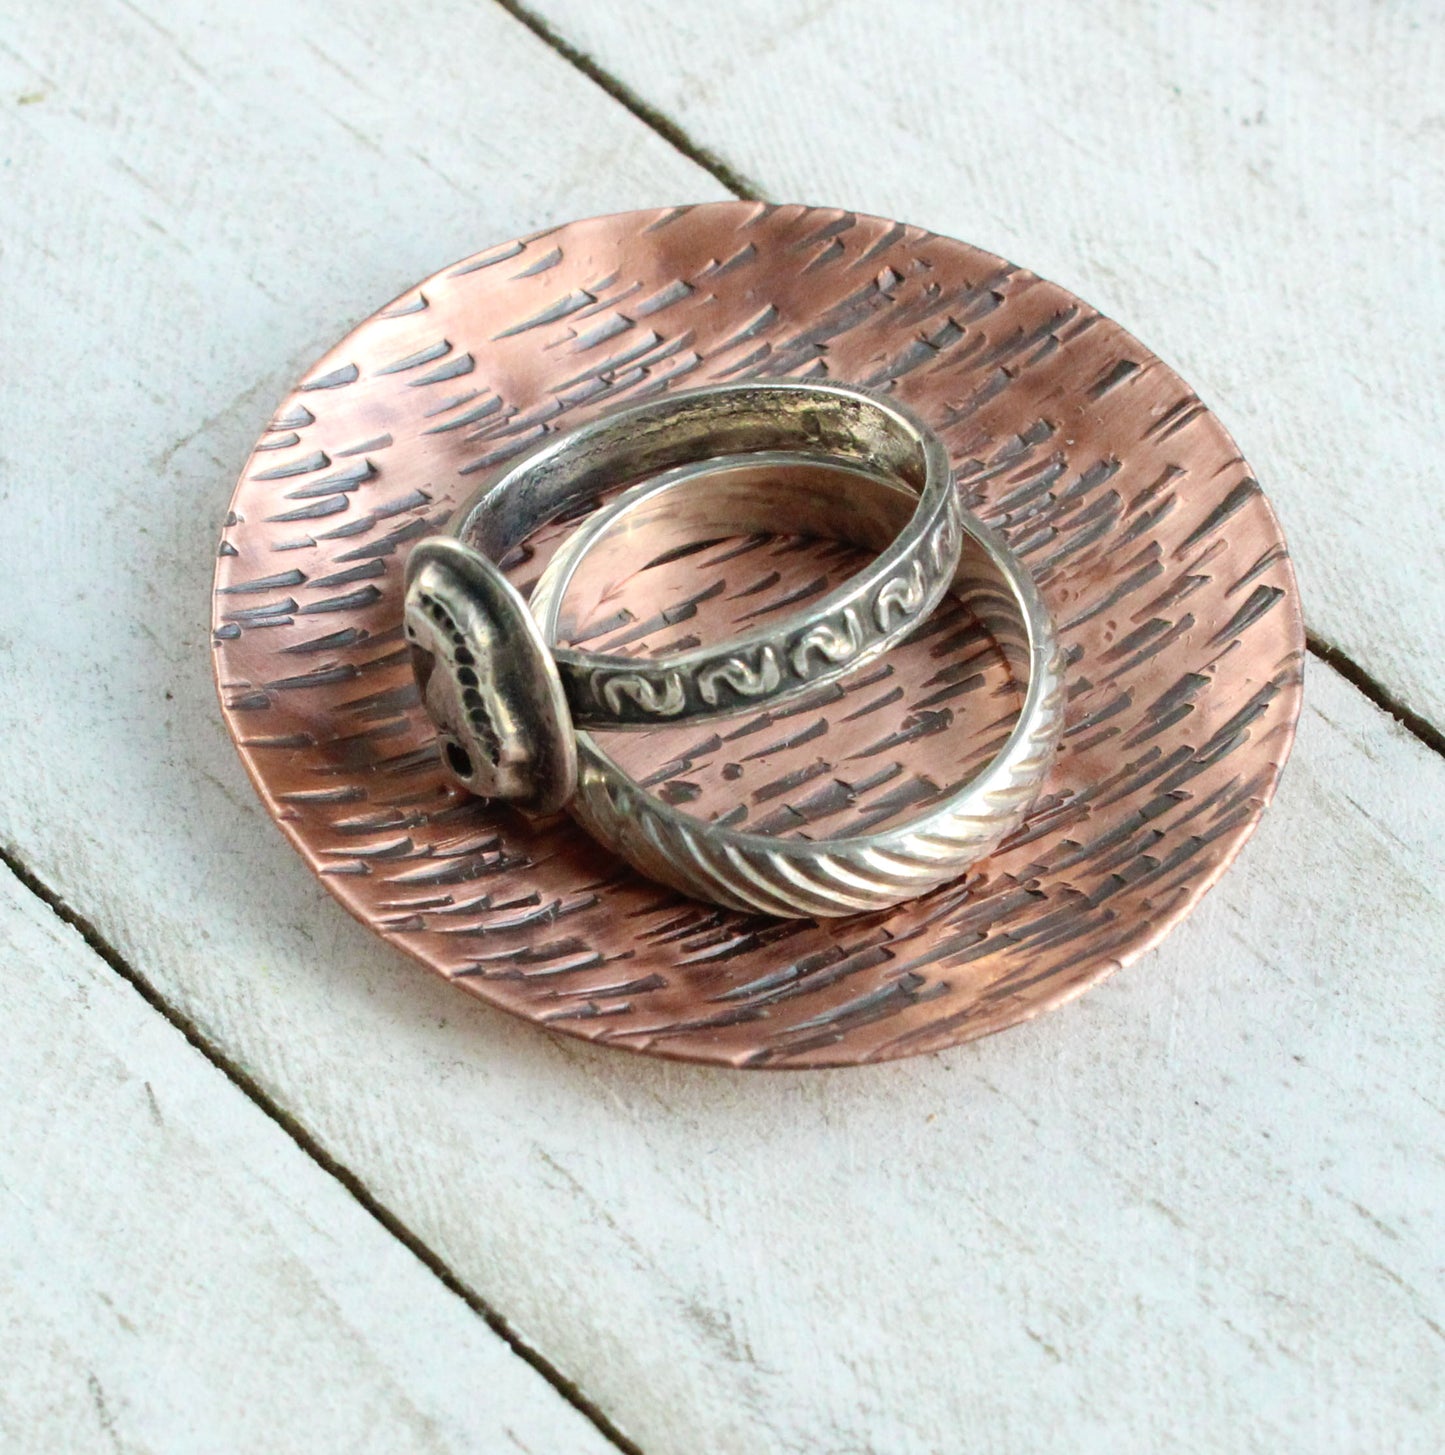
820 877
506 706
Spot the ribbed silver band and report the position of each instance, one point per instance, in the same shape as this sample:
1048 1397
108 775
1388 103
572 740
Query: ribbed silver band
829 876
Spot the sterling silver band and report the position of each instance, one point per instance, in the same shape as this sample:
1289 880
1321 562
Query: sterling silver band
821 877
506 706
849 626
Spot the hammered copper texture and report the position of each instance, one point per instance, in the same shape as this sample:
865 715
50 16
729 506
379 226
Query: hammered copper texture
1151 541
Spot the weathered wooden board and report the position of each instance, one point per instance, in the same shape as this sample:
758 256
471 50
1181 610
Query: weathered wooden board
1199 1209
1256 191
176 1274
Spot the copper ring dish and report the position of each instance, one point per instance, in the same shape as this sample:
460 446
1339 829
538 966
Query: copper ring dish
1149 539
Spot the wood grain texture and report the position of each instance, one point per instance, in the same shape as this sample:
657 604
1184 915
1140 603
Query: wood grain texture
1195 1211
1147 535
176 1274
1255 191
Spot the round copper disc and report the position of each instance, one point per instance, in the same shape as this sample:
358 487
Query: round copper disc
1152 543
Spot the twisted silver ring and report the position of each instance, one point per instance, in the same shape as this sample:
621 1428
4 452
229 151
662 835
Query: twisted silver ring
820 877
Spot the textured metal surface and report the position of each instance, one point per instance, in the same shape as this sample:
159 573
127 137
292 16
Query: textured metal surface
822 873
1151 542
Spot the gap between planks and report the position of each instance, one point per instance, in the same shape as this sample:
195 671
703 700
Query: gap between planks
1332 656
313 1149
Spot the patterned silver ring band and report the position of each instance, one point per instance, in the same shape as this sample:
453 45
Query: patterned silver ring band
794 876
506 706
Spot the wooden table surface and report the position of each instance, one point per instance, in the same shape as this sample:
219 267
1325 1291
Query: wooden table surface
264 1185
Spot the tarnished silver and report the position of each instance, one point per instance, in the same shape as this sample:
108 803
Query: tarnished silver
488 680
505 705
834 876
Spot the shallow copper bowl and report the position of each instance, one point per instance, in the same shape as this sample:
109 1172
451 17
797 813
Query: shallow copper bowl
1151 541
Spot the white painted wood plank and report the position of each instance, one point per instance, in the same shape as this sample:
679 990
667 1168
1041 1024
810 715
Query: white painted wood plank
1199 1209
175 1274
1257 191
